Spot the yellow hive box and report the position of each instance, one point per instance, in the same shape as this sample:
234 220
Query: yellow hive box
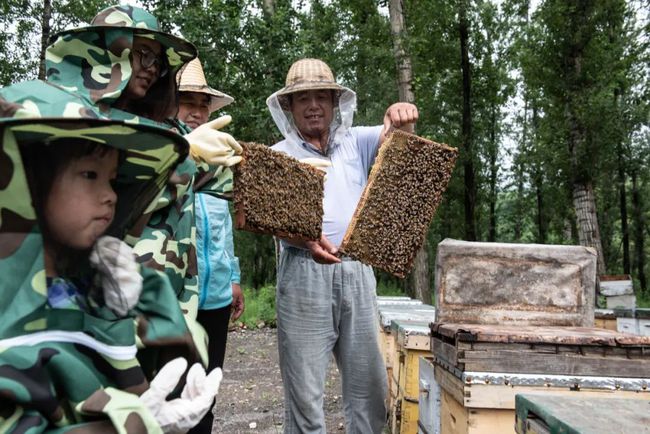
412 340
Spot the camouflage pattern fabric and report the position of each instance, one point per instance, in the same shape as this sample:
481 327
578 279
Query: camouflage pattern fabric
94 61
64 370
168 240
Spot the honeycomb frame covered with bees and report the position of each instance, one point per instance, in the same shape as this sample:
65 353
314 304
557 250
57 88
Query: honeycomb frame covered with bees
275 194
404 189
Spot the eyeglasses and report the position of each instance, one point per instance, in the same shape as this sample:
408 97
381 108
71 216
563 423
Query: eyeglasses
149 58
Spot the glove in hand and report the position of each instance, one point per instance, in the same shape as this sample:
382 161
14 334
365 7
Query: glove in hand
181 414
214 147
119 273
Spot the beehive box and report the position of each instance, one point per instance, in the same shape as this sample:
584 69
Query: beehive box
429 398
605 319
391 310
481 368
618 291
635 321
538 414
404 189
412 341
524 284
278 195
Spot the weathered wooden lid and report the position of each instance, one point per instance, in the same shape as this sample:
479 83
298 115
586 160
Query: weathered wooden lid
523 284
537 335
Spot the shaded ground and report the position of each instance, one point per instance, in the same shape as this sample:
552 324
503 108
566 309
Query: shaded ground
250 398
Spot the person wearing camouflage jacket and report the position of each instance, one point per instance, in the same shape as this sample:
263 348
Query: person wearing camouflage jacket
74 370
96 62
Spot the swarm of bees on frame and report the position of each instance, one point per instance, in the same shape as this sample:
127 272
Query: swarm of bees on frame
276 194
404 189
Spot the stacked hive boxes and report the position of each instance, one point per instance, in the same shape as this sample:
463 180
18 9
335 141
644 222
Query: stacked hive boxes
404 337
519 318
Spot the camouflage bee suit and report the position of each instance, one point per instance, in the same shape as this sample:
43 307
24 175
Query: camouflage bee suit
71 370
94 62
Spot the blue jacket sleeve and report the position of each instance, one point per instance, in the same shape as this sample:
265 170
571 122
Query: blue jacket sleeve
230 250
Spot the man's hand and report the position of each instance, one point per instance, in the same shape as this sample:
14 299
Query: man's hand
237 306
181 414
399 115
323 251
214 147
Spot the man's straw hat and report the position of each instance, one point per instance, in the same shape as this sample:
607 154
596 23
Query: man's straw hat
192 79
308 74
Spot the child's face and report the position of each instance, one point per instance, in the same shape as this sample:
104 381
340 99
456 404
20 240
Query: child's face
81 203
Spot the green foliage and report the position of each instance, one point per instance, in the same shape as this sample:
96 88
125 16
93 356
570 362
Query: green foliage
388 288
522 90
20 39
259 306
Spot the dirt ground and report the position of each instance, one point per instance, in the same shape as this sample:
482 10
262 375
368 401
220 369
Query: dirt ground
250 398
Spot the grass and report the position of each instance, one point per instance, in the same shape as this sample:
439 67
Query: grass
259 306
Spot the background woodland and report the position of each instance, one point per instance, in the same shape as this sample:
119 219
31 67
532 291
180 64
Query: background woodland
548 103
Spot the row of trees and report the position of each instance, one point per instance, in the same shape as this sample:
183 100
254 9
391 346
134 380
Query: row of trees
547 103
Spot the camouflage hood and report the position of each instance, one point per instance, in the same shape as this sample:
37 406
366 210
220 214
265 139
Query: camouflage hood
53 360
95 60
38 112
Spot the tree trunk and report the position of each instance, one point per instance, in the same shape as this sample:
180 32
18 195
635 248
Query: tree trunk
492 230
402 59
639 226
541 224
622 193
588 230
538 180
420 283
623 206
46 17
584 200
466 141
519 209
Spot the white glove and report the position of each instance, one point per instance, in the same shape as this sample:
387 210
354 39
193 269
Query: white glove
209 145
119 273
181 414
318 163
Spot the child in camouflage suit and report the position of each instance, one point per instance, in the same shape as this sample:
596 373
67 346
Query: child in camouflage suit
66 331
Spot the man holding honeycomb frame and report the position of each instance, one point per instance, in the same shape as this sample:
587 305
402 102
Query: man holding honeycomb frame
326 303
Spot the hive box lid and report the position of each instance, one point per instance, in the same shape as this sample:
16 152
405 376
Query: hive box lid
524 284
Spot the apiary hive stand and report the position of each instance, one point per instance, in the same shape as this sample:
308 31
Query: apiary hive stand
480 369
404 189
278 195
539 414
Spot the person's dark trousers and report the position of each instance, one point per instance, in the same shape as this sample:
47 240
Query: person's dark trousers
215 322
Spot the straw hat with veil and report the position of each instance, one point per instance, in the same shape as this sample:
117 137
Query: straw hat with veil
312 74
